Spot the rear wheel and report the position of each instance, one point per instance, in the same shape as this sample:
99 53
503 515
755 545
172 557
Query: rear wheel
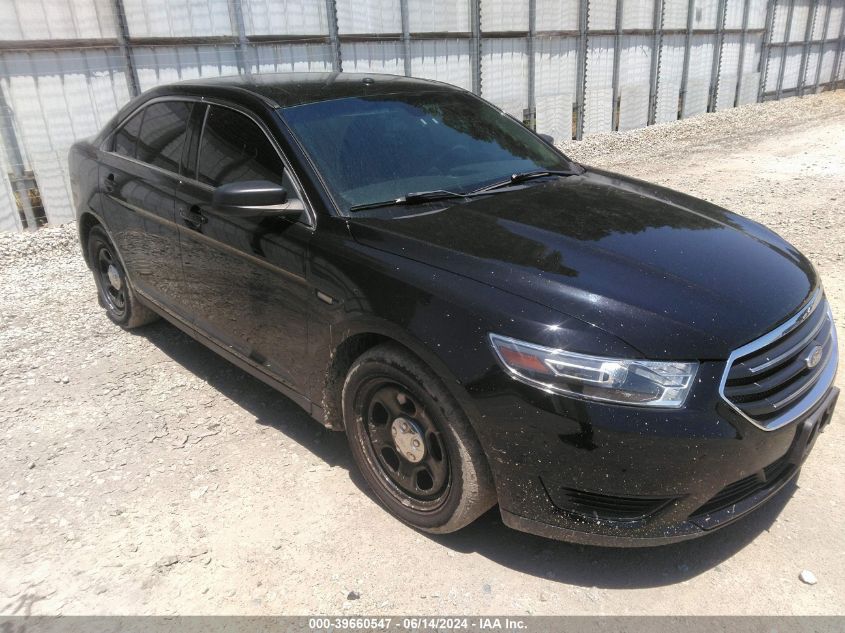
413 443
113 289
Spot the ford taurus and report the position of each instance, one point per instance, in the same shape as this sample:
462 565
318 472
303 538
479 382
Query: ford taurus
609 361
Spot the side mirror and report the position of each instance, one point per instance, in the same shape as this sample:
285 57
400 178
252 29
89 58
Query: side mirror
254 197
548 138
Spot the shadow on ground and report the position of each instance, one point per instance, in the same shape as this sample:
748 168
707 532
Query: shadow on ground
581 565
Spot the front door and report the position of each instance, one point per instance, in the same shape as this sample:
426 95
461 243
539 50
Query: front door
245 277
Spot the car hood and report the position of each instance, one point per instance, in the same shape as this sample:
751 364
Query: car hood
669 274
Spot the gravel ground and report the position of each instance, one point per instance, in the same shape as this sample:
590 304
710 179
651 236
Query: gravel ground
142 474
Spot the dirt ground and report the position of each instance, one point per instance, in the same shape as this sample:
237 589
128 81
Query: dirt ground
141 474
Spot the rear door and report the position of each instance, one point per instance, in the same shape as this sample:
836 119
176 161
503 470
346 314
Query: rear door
245 277
139 180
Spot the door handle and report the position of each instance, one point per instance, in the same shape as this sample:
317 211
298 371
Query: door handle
109 183
193 217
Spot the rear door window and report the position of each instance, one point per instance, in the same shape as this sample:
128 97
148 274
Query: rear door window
163 132
126 137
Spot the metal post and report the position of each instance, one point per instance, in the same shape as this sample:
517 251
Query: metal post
406 36
242 46
746 9
766 48
475 46
682 95
14 157
126 48
805 52
581 74
617 57
199 59
334 41
531 118
821 46
656 50
789 14
834 77
716 68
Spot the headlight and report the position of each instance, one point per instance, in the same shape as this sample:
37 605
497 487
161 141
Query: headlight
637 382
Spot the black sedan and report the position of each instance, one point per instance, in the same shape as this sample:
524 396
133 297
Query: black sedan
489 322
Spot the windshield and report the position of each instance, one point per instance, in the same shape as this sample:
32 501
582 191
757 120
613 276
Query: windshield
371 149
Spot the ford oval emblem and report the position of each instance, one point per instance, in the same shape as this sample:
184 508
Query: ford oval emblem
813 357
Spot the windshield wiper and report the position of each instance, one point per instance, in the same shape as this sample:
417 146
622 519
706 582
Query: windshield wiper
416 197
515 179
419 197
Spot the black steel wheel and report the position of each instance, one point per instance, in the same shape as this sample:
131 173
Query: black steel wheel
412 442
114 289
406 443
112 279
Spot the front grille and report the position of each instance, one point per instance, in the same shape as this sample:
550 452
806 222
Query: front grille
769 379
733 493
593 505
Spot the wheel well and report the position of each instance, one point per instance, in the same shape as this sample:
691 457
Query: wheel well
86 223
342 358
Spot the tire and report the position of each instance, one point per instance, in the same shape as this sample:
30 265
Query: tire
114 291
442 483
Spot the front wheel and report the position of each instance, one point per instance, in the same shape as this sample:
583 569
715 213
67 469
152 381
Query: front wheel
412 442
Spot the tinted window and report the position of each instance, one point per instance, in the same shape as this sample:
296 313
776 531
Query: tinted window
162 136
127 136
380 148
234 148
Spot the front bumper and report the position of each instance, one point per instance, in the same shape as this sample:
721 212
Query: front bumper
621 476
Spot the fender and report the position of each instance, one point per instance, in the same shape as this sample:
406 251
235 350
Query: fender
380 327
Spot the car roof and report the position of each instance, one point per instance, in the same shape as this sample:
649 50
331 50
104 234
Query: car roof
283 90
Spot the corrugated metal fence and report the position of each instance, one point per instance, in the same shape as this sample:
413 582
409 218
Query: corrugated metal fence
566 67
